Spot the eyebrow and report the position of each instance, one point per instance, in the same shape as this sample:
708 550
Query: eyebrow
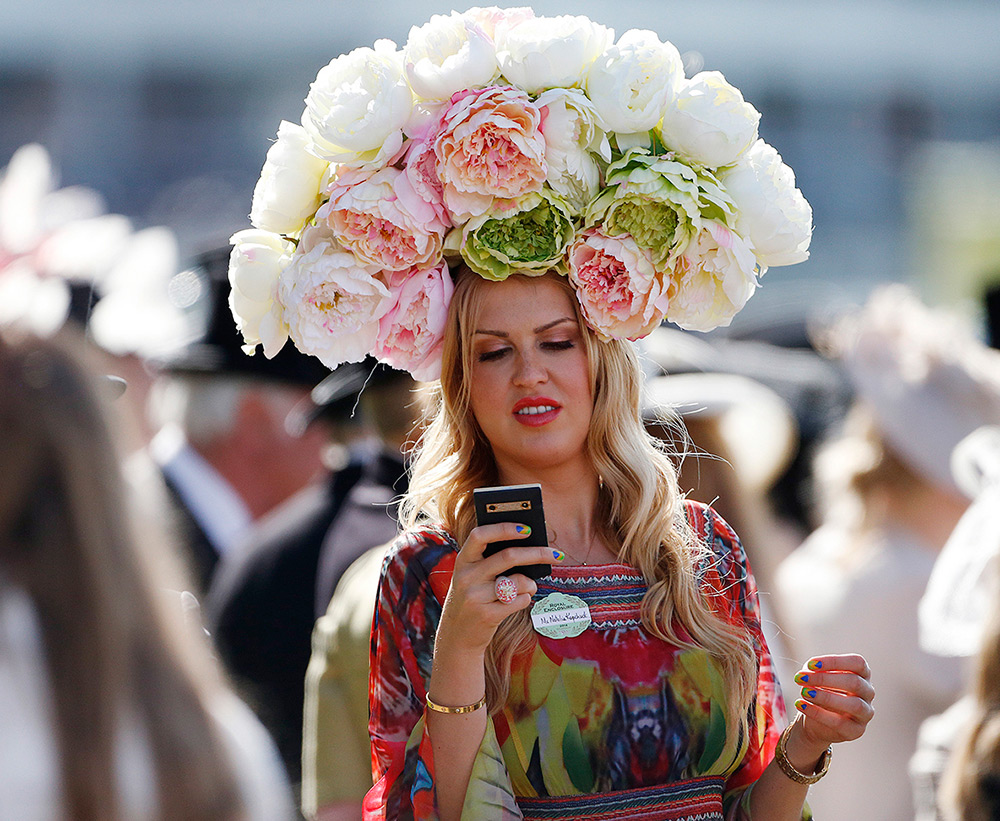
538 330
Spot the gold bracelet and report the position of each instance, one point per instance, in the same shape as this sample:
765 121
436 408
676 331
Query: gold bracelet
470 708
789 770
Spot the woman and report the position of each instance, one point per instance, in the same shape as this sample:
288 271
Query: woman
109 710
666 703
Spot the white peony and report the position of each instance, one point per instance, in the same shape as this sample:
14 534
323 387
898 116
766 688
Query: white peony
357 106
709 122
573 136
546 52
448 54
712 280
634 80
333 304
255 266
492 19
288 191
770 211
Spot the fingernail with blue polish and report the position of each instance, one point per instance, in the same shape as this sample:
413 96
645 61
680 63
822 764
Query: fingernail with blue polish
815 665
801 705
801 678
808 693
558 555
523 529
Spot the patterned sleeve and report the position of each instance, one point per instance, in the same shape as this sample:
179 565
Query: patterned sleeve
728 581
415 579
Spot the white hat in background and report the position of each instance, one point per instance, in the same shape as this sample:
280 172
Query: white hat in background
756 424
927 379
62 256
961 593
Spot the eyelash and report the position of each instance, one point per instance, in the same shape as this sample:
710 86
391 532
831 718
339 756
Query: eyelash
492 356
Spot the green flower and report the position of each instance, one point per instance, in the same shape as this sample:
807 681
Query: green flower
658 201
528 235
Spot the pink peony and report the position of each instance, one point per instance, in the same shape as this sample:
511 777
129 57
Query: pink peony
411 331
490 145
620 292
420 169
384 221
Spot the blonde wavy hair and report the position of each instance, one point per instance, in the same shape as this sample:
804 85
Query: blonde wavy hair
639 504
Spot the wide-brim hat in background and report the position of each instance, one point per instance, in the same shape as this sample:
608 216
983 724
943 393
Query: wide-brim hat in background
336 396
755 423
961 594
213 344
927 379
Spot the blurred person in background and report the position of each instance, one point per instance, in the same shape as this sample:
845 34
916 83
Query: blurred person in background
889 504
110 709
221 445
336 751
262 604
63 259
956 768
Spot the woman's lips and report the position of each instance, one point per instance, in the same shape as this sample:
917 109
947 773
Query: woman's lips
535 411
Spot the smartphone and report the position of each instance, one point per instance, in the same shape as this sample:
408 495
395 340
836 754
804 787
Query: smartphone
514 503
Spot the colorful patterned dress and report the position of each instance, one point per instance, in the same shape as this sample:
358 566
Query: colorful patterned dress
613 723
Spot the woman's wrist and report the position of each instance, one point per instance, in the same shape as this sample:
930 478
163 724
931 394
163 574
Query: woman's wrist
803 753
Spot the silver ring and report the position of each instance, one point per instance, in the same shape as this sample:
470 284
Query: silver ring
506 589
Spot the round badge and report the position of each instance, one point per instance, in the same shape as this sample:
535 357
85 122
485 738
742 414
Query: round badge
560 616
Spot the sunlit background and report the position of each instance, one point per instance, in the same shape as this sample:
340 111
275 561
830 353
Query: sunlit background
888 110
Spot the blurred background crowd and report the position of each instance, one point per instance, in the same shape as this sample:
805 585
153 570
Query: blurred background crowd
209 539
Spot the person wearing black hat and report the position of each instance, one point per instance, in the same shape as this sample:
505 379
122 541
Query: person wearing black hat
221 446
263 601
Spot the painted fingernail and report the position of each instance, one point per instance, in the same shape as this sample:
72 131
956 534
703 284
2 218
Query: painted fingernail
801 678
808 693
558 555
523 529
815 665
801 705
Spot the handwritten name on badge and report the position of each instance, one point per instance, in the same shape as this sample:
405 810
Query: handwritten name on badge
560 616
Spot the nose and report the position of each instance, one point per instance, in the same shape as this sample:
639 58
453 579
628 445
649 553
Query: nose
529 370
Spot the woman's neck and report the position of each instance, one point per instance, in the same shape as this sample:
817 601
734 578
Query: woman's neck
570 499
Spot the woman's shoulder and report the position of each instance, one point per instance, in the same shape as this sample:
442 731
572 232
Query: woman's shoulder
722 561
418 556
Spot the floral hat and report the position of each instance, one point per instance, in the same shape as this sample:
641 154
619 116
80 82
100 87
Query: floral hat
515 144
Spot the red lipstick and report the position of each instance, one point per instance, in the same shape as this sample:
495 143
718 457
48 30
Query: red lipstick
535 411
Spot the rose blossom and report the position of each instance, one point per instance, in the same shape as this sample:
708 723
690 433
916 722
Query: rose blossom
546 52
489 146
383 221
448 54
333 304
712 280
770 211
709 122
255 266
573 135
620 293
411 331
357 106
632 82
287 193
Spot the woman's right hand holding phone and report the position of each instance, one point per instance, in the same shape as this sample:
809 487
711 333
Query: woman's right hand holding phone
472 611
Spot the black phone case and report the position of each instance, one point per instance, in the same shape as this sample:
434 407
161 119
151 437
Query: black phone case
514 503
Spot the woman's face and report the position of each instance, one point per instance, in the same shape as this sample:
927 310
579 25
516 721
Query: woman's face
529 380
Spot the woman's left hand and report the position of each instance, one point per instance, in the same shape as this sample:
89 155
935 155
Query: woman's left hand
835 700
